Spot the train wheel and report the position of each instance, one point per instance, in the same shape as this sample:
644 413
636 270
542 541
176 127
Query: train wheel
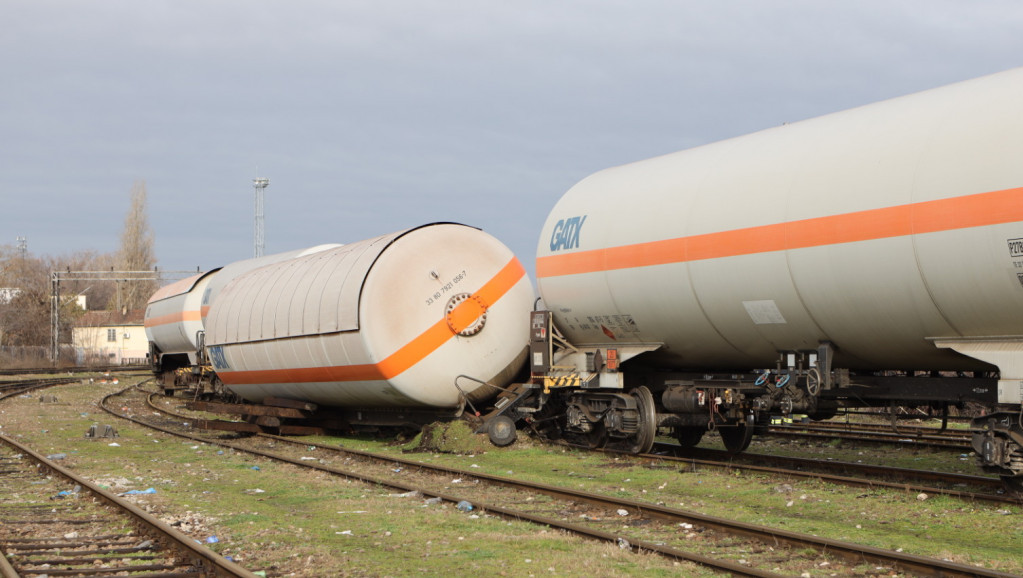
648 420
597 438
738 436
1013 485
641 441
501 431
689 436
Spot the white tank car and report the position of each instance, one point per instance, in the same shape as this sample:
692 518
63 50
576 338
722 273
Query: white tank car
173 321
893 231
176 313
386 322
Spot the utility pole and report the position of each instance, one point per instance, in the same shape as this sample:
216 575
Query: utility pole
117 276
259 184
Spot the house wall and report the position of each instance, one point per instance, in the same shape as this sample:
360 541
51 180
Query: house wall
129 345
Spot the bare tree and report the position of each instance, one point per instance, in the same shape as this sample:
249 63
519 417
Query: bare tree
136 252
26 294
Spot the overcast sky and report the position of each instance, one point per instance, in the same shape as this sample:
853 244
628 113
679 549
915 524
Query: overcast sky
371 117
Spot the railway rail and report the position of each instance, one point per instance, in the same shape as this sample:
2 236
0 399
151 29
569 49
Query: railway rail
21 387
74 369
922 432
961 443
963 486
639 512
54 522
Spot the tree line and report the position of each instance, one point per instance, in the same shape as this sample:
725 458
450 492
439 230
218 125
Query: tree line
26 288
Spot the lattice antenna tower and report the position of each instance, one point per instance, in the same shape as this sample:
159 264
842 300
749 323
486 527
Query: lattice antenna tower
259 184
22 247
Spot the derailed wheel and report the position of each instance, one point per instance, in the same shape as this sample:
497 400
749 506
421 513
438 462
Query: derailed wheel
1013 485
501 431
737 436
689 436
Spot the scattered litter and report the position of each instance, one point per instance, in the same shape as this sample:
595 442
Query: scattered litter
138 492
306 458
345 533
624 544
456 481
144 545
922 496
71 492
114 444
412 494
255 491
434 500
464 506
56 457
212 540
396 470
623 512
255 468
355 512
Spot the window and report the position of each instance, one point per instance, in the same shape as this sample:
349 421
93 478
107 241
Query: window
111 335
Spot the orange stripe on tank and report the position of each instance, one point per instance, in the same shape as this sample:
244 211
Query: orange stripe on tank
964 212
405 357
178 317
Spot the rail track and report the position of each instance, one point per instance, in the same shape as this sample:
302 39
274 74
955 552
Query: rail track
903 430
963 486
955 442
56 523
600 511
14 388
74 369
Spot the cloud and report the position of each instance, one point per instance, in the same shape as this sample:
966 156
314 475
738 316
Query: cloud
373 116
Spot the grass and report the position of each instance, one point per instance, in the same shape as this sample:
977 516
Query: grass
281 517
939 527
288 520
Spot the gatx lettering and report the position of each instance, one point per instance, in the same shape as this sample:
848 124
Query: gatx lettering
566 233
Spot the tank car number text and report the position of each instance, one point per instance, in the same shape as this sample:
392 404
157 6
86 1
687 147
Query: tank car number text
445 288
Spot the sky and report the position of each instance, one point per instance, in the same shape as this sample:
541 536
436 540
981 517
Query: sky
370 117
